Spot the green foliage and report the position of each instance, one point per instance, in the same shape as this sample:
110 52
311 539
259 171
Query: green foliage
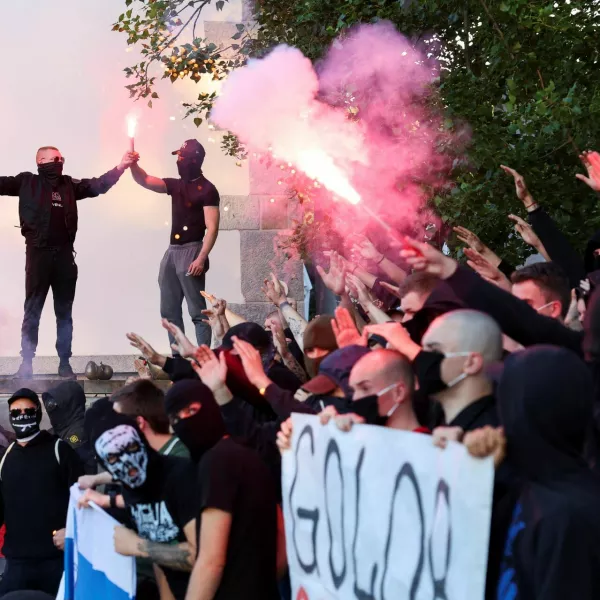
526 85
157 28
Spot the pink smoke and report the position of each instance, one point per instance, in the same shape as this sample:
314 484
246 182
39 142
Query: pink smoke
360 123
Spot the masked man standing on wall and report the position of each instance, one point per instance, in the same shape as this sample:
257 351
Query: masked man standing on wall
194 231
48 216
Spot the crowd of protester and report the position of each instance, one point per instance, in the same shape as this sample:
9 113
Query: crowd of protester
504 360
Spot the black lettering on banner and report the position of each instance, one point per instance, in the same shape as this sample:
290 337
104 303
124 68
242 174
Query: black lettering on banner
439 585
406 471
358 592
338 578
305 513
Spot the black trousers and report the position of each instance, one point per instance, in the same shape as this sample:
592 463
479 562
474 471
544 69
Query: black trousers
39 574
45 269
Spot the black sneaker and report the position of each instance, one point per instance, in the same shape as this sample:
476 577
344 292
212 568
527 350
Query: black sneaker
25 370
65 371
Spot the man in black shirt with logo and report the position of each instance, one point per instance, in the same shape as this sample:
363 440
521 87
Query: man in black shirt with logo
194 231
48 216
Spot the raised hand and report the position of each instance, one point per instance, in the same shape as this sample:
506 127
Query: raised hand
524 229
397 336
468 237
486 270
335 279
273 291
425 258
359 288
182 344
252 363
366 249
211 370
521 187
129 158
147 351
345 330
591 161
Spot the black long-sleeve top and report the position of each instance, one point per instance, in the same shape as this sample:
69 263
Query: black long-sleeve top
35 200
558 247
516 318
34 495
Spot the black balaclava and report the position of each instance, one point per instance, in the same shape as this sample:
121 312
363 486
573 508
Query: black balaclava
51 172
189 168
65 405
201 431
255 335
26 425
123 450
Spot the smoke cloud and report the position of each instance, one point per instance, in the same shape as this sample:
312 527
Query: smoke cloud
361 123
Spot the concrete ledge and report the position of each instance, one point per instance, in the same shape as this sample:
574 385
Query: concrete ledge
91 388
48 365
239 212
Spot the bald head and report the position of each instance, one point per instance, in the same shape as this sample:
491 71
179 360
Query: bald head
465 331
378 370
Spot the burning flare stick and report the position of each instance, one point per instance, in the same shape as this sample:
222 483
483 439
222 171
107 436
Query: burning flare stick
131 126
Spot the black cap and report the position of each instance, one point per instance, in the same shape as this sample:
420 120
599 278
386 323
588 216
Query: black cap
191 149
27 394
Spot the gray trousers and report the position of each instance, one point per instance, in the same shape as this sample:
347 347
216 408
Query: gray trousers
175 286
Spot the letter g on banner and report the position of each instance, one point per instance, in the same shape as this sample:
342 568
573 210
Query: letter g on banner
304 513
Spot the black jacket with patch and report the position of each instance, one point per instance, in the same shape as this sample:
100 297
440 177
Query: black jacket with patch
35 200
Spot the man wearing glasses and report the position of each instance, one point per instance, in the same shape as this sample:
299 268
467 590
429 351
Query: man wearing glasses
48 216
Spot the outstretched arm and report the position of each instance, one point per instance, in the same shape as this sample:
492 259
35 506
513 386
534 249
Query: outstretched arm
90 188
10 186
154 184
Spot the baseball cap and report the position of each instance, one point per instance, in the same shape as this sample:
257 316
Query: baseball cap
191 149
334 371
25 393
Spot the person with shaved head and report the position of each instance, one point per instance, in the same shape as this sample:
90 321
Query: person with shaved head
457 348
48 217
383 385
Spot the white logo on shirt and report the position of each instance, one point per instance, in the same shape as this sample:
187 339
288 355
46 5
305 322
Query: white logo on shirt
154 522
57 200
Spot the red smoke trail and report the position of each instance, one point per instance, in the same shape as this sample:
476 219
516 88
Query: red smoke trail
360 124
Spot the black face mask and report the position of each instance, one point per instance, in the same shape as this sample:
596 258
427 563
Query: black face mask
368 409
427 368
201 431
52 171
189 169
26 424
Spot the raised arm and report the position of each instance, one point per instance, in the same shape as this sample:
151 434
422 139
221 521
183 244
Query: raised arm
10 186
90 188
154 184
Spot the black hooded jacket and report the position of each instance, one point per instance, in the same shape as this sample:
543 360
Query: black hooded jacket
35 200
65 405
553 546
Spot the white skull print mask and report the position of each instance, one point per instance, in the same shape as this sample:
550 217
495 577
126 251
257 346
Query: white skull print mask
124 455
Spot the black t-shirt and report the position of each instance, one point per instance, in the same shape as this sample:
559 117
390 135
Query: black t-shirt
57 233
188 202
163 507
233 478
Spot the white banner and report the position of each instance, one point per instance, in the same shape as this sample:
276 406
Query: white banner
378 514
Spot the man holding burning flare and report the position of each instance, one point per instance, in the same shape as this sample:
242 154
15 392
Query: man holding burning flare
48 217
194 231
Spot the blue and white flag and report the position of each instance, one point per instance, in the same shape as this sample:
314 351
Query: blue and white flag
93 570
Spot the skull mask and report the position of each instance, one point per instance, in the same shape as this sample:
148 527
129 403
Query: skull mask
124 455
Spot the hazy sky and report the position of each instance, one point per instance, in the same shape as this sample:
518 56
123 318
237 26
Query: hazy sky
63 86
